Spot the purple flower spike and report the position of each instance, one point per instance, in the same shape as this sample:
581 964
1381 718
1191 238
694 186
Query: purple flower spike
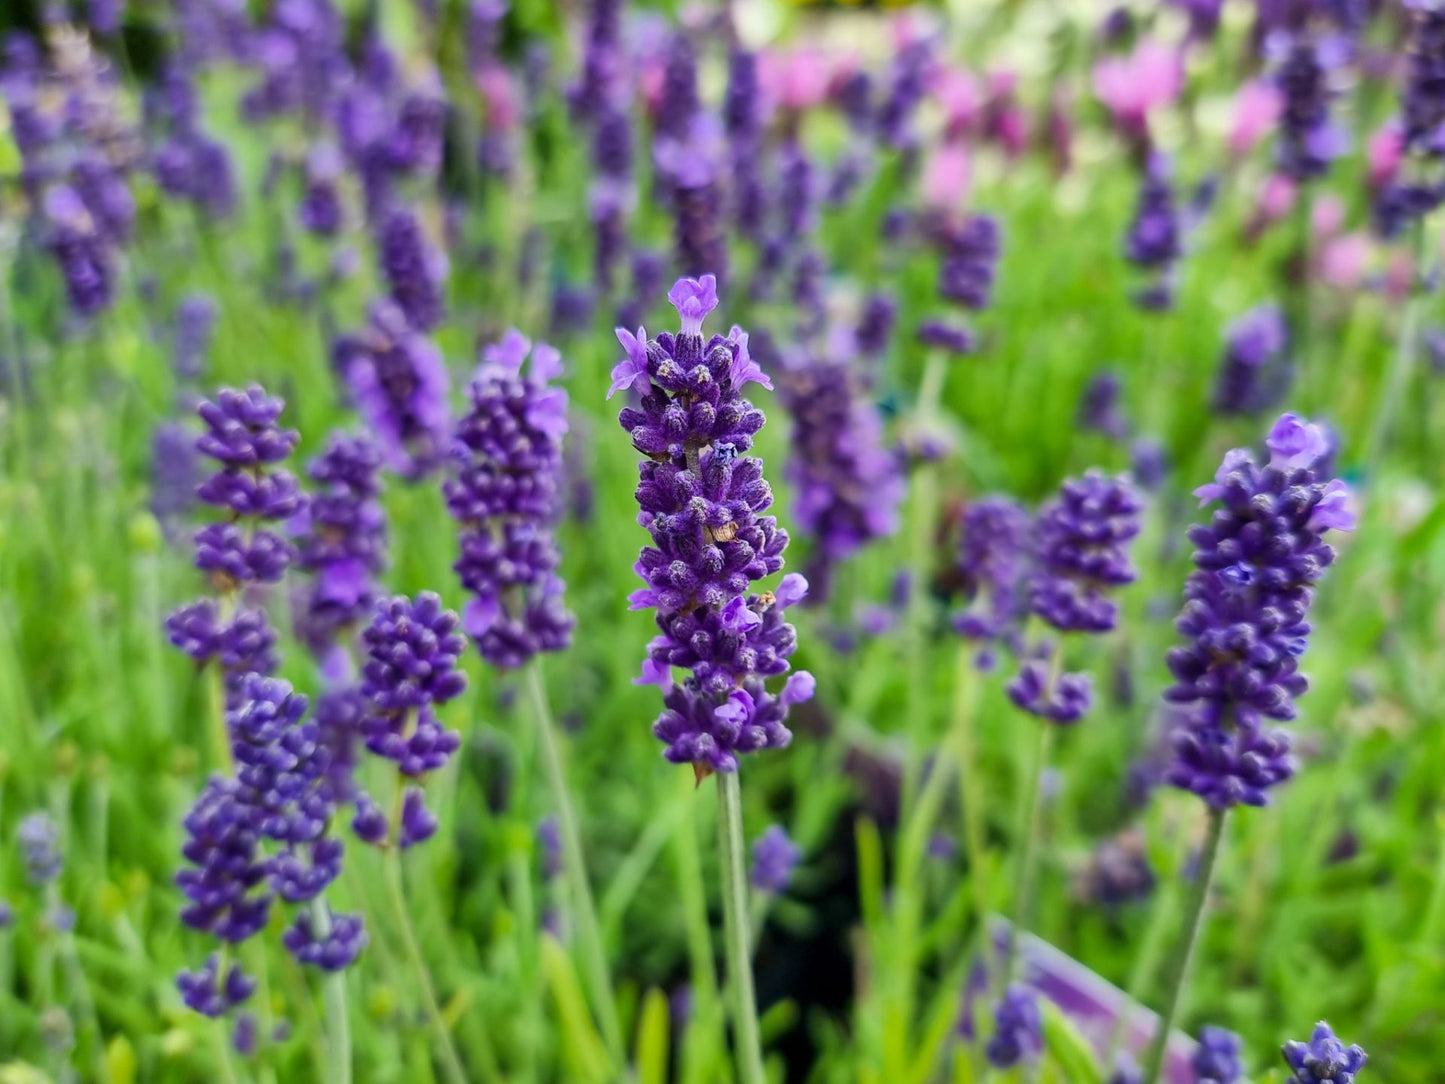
1246 614
209 993
1082 543
1324 1058
702 499
412 652
505 494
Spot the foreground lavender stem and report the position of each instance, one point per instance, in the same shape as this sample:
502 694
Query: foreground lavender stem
732 867
338 1023
1184 950
594 957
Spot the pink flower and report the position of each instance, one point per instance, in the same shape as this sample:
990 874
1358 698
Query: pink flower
960 96
797 80
1326 217
1257 108
1132 87
1343 259
494 84
1383 153
946 176
1276 198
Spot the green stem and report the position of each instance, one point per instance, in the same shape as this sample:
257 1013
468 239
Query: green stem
965 695
451 1062
584 912
733 872
924 510
1403 362
338 1023
1184 950
1030 822
223 1053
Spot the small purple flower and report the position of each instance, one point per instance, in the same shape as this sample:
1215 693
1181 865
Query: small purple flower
1324 1059
1081 545
1154 242
212 994
38 837
954 338
335 951
414 270
1305 72
1018 1029
774 856
993 564
1216 1060
1255 371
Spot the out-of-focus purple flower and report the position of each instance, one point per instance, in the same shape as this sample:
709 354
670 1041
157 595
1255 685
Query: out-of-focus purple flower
970 259
38 837
875 324
774 856
1255 371
1018 1029
80 250
340 540
943 335
1324 1059
1305 70
175 472
1118 872
1148 462
550 838
702 497
1099 406
908 78
1216 1060
691 163
505 495
1246 614
848 482
399 381
993 563
1154 242
414 270
212 994
195 323
742 121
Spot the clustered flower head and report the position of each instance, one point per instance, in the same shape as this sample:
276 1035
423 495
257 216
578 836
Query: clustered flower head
1324 1059
262 834
1255 370
399 382
992 568
242 435
505 494
970 252
414 270
848 483
1080 555
702 499
341 540
1018 1031
1246 614
412 650
774 857
1216 1060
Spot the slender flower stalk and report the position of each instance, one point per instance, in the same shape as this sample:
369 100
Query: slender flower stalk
1184 949
733 870
584 910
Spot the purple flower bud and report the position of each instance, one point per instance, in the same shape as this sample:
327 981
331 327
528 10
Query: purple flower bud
774 857
1018 1029
1324 1059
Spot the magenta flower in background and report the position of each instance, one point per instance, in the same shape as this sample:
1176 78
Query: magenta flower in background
1134 86
1257 108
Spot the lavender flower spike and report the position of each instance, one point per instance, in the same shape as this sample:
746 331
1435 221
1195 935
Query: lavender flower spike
1018 1029
505 495
702 499
774 856
1324 1058
1216 1061
1246 614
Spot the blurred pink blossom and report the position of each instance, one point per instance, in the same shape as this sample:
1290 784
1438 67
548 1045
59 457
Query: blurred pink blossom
795 80
960 95
947 175
497 89
1133 86
1276 198
1383 153
1327 216
1257 108
1343 259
